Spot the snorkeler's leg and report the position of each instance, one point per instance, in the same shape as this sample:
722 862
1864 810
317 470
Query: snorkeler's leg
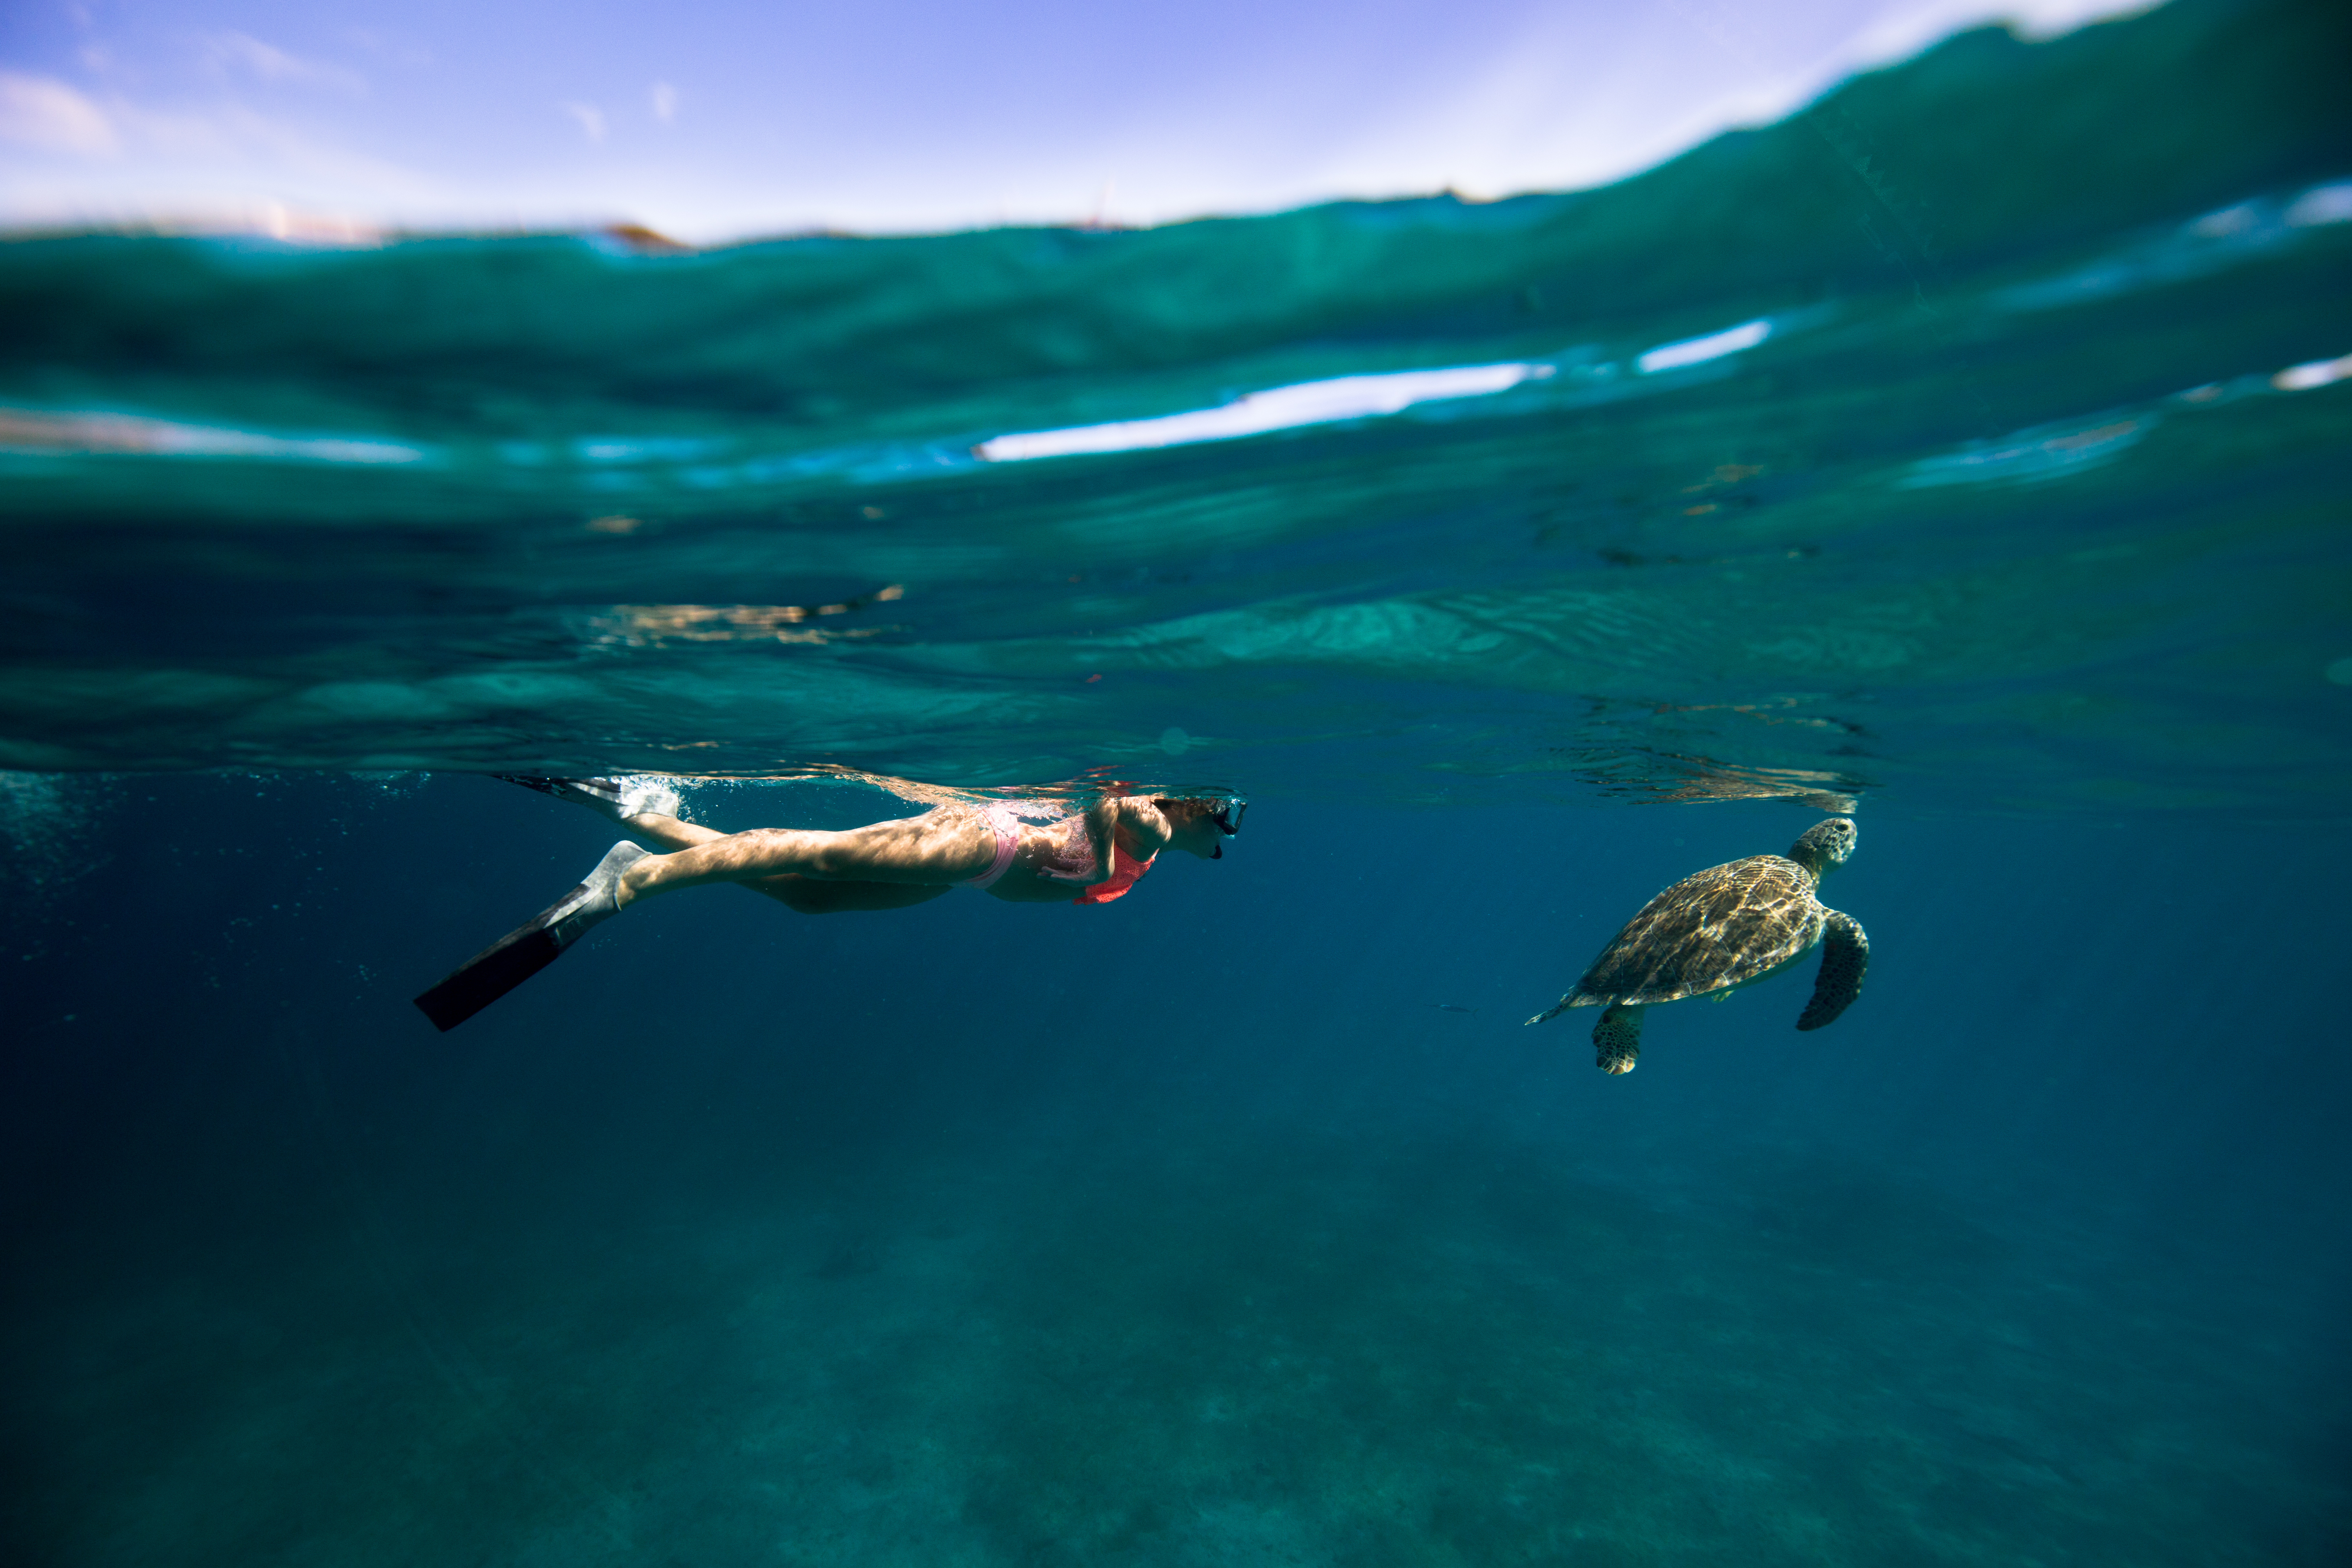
936 850
667 831
803 894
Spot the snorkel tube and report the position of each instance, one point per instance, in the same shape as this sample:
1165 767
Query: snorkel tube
1228 818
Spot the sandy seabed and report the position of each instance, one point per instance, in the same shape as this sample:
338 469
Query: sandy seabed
1197 1352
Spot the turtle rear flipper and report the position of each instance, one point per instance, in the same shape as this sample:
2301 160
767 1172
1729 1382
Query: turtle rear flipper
1556 1009
1617 1039
1845 954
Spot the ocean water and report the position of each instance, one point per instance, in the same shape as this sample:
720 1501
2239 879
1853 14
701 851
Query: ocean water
1967 453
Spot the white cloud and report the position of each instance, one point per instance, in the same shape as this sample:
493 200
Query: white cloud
267 62
42 112
224 167
235 136
386 47
665 100
591 119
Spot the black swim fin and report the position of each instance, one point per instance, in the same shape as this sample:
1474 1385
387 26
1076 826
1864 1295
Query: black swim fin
602 796
527 949
615 800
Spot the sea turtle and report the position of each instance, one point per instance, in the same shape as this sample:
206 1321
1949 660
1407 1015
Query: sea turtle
1724 928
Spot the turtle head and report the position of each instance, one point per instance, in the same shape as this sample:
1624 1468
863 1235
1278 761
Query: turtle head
1824 845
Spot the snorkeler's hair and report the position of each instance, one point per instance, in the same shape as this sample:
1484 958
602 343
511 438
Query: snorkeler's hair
1225 810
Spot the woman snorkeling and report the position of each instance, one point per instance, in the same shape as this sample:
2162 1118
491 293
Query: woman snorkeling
1023 852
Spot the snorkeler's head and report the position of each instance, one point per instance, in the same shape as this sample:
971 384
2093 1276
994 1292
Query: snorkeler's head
1198 822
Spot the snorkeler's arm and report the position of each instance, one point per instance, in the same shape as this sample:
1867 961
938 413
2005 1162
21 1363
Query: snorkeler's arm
1148 832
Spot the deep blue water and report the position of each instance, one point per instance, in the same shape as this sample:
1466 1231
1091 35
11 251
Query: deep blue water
997 1234
1967 453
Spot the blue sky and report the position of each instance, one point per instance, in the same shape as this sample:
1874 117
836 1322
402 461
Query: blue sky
713 121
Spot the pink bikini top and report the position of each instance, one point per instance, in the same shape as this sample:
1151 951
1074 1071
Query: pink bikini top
1125 869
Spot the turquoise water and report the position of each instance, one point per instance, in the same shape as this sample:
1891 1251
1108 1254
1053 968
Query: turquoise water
1966 452
2008 508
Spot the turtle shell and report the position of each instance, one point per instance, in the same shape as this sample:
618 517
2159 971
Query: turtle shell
1723 926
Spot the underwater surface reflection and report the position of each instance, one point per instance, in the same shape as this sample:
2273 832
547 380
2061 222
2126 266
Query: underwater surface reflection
1977 433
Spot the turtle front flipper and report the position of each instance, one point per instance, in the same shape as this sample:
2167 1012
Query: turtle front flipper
1617 1038
1845 954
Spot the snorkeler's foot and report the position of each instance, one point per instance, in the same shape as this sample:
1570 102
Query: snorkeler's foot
615 800
594 900
529 948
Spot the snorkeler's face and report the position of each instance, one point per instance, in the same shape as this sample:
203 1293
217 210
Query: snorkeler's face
1198 836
